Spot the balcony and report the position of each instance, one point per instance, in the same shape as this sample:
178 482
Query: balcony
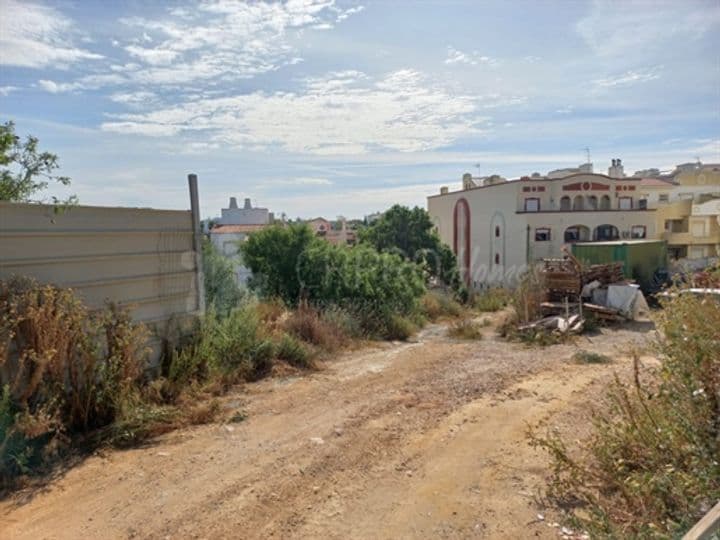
584 211
687 238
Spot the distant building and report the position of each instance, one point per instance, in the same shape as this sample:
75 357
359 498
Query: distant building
496 226
233 227
336 232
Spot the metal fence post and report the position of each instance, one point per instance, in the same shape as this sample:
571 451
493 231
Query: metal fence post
197 240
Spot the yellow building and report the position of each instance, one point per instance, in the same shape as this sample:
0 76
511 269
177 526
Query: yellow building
687 204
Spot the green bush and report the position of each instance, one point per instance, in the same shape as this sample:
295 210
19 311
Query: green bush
411 234
651 467
272 255
293 352
368 283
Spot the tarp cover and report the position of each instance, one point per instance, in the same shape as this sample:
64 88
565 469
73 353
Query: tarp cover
628 300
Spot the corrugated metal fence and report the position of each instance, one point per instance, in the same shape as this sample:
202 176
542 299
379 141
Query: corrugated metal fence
142 258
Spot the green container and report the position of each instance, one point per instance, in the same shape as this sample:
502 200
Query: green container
640 258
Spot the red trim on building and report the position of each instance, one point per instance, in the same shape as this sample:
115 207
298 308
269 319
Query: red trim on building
466 262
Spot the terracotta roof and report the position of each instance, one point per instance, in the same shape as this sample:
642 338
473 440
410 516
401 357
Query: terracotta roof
227 229
655 182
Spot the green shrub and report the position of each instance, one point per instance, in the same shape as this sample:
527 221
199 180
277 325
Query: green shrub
397 327
293 352
651 467
465 329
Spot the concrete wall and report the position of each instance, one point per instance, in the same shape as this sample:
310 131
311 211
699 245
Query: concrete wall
137 257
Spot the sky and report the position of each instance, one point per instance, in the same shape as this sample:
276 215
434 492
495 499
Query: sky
322 107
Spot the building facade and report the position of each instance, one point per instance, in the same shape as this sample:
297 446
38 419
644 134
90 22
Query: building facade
497 227
233 228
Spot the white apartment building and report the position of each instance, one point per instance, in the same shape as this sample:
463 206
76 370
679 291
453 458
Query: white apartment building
497 227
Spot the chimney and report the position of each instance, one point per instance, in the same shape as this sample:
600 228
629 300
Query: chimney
467 181
616 169
247 206
443 190
233 203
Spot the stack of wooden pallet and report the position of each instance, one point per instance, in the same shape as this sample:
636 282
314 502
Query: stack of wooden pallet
606 274
562 278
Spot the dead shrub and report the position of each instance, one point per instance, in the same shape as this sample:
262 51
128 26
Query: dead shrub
589 357
64 370
307 324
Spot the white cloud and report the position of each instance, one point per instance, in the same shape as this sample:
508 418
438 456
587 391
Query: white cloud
344 113
36 36
630 77
473 58
300 181
639 28
89 82
133 98
6 90
224 39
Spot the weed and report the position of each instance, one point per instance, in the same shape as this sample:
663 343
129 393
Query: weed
293 352
436 304
589 357
651 467
465 329
493 299
398 328
307 324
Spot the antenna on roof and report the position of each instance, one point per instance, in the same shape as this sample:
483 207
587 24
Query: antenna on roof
478 168
587 154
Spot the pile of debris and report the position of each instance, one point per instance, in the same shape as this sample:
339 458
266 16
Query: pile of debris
573 290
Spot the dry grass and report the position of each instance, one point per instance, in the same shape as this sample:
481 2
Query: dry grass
438 304
307 324
651 467
466 329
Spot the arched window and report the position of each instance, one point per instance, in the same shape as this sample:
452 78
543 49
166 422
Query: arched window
497 231
565 203
578 203
605 202
592 201
606 232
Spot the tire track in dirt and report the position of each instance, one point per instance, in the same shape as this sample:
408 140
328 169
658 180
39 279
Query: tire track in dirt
405 441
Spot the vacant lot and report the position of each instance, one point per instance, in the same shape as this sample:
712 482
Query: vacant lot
412 440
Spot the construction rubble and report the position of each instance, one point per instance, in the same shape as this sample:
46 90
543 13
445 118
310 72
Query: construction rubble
574 291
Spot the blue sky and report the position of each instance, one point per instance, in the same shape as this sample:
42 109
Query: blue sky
317 107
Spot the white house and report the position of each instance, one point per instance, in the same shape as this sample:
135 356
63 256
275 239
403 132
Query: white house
234 226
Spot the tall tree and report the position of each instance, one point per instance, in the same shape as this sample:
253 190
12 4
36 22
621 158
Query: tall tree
24 170
411 233
272 255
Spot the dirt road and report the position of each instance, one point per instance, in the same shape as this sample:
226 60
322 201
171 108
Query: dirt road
413 440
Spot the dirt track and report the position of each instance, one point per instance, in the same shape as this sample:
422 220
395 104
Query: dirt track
414 440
